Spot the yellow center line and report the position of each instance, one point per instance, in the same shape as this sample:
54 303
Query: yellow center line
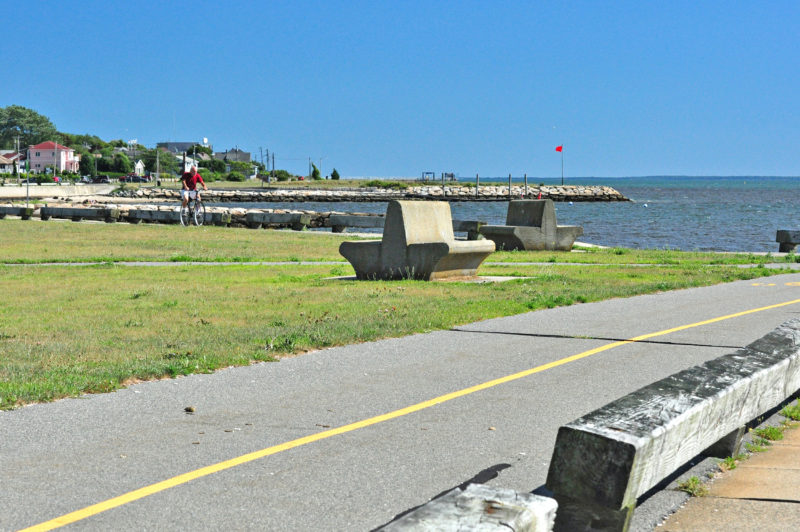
275 449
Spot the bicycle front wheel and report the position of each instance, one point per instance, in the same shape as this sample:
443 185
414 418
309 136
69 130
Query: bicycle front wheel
186 215
199 213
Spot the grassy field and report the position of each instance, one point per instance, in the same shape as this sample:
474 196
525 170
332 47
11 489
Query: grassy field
67 330
61 241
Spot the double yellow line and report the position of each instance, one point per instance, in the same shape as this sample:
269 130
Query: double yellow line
275 449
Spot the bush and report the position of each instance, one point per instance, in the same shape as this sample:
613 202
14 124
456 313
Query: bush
282 175
386 184
235 176
315 175
335 174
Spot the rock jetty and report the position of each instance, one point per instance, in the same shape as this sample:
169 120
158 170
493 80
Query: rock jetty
440 193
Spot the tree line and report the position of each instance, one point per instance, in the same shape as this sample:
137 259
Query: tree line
22 127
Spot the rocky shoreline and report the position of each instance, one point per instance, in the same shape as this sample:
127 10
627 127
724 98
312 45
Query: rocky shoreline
440 193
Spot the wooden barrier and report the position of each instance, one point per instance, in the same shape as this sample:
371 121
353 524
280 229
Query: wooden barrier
295 220
76 214
604 461
23 212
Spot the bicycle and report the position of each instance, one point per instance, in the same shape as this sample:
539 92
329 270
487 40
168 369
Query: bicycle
194 212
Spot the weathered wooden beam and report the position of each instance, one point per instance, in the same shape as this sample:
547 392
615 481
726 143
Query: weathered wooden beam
295 220
23 212
604 461
480 508
135 216
77 214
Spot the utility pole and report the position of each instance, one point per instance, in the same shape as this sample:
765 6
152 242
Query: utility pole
272 174
16 163
261 150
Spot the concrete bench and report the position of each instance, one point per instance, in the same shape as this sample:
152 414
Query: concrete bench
788 240
295 220
481 508
338 223
531 225
604 461
418 242
76 214
23 212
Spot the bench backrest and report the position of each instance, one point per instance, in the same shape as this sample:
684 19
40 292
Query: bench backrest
414 222
533 213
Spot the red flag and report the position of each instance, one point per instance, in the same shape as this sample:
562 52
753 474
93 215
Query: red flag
558 148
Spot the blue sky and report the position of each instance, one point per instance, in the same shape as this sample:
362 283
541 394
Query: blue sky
396 88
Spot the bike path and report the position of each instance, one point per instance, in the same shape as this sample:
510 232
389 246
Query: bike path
347 438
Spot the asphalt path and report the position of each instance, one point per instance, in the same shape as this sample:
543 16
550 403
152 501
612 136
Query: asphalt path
347 438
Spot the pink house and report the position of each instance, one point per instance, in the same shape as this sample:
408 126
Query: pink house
53 154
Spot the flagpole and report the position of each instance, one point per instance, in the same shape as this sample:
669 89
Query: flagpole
562 166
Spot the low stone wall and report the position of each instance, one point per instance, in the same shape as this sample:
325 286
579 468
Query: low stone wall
438 193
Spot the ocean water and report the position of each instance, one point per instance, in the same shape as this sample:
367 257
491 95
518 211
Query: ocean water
686 213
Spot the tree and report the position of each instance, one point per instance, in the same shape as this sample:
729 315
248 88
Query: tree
30 126
335 174
216 165
199 148
122 163
241 166
87 161
315 175
167 163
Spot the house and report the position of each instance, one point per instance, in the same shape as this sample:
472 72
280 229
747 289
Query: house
6 165
180 147
138 167
51 154
185 163
233 155
14 159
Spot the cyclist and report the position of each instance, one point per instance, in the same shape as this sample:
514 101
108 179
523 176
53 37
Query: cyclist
189 181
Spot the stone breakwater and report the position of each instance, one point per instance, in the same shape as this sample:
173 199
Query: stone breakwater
445 193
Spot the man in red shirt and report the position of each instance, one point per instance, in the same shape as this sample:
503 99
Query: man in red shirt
189 181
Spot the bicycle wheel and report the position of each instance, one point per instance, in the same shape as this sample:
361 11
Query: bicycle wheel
186 214
199 212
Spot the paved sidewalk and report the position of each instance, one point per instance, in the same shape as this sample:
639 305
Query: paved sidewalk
762 493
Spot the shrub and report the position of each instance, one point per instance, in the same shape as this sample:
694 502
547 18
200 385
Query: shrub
335 174
235 176
385 184
282 175
315 175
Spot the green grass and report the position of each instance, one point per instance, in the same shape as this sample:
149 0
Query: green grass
792 411
694 487
59 241
593 255
732 462
769 433
68 330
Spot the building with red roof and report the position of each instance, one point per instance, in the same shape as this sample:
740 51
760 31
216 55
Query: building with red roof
54 155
